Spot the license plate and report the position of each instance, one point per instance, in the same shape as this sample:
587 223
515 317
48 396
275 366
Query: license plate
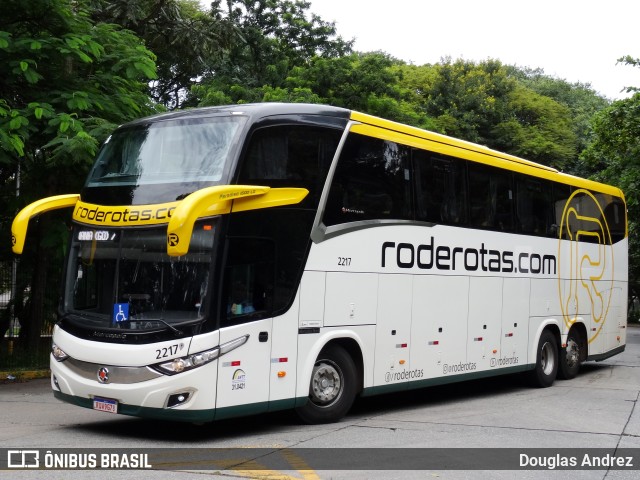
105 405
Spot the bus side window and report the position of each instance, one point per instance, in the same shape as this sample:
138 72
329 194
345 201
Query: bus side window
248 280
372 181
440 189
616 217
490 198
290 156
534 207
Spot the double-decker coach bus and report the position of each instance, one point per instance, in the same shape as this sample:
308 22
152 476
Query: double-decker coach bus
249 258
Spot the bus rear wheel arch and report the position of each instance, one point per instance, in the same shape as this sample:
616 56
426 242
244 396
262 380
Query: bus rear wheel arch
332 388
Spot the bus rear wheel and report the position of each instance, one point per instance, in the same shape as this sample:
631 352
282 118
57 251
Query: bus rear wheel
332 388
546 369
571 356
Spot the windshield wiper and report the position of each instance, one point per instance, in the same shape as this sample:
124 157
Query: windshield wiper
171 327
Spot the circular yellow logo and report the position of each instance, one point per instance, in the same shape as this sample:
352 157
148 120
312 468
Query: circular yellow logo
585 262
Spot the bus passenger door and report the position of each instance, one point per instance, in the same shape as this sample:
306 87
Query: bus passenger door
243 373
247 304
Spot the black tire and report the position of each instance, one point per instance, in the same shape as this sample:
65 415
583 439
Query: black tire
546 370
571 356
332 388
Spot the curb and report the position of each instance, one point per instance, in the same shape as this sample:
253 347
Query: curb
23 375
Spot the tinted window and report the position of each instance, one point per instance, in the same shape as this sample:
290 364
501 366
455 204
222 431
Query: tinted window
440 188
534 211
616 217
490 198
588 221
291 156
372 181
248 280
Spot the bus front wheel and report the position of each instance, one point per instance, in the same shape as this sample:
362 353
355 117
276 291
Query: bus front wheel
332 388
546 369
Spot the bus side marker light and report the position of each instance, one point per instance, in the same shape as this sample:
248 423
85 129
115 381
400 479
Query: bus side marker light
401 345
402 362
508 335
435 342
495 351
477 339
282 374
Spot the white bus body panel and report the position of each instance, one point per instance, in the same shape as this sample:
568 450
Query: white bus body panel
514 336
151 393
439 330
393 328
349 299
125 355
243 374
463 320
284 354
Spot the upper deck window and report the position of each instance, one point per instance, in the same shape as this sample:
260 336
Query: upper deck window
171 151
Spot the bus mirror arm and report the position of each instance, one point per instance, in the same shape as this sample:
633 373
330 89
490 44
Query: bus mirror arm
219 200
206 202
21 221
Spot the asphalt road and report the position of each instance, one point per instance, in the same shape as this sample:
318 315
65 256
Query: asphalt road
598 409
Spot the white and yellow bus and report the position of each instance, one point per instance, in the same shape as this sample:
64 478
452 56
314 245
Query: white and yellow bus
242 259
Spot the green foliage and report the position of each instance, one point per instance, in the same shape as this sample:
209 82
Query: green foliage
264 42
184 39
583 103
467 99
537 128
67 82
615 157
66 76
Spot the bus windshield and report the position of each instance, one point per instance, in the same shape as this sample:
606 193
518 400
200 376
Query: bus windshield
123 278
170 151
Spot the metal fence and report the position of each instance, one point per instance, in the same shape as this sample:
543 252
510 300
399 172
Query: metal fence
15 353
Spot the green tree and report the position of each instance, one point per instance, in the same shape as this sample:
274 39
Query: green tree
537 128
485 103
271 38
582 101
615 157
185 39
467 99
66 83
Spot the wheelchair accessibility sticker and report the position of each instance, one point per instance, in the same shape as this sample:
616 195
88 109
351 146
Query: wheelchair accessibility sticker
120 312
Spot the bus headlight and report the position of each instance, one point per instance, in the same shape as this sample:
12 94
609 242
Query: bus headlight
58 353
178 365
